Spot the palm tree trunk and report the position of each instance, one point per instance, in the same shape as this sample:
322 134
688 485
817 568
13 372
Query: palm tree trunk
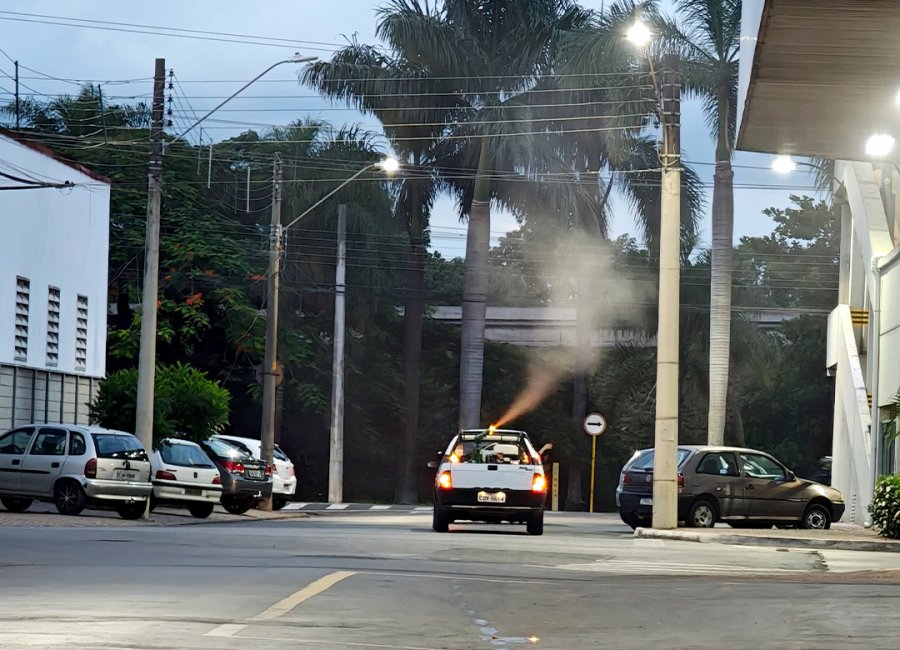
414 311
720 300
475 289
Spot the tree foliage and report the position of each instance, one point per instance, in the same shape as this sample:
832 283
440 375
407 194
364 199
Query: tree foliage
187 402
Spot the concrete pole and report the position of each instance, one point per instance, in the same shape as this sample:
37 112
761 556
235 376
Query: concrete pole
665 486
143 424
336 454
270 366
846 238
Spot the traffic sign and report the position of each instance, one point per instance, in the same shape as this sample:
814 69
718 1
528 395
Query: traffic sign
594 424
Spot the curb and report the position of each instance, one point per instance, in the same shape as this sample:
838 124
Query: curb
752 540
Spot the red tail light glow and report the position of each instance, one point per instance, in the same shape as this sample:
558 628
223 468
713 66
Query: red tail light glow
270 469
165 476
233 466
90 468
680 483
293 473
626 479
217 480
539 483
444 481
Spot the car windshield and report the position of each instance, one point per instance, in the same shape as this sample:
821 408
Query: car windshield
183 455
228 449
645 462
118 445
492 449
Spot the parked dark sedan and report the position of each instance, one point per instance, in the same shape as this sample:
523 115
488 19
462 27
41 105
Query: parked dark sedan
744 488
245 480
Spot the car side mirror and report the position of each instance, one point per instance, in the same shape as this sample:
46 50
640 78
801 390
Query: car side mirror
432 464
791 477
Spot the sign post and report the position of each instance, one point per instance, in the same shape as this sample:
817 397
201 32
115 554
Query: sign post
594 426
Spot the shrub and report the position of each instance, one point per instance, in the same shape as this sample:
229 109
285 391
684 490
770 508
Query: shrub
885 507
186 402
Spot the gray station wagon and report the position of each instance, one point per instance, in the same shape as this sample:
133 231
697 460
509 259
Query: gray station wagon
73 466
744 488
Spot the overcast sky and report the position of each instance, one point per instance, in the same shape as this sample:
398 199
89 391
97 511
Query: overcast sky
209 70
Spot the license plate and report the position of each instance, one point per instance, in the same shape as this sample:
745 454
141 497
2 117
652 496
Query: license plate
254 473
647 501
125 475
492 497
193 492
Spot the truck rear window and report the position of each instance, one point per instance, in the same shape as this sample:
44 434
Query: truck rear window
492 450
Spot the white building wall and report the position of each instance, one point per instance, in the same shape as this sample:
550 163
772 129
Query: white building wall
59 238
751 14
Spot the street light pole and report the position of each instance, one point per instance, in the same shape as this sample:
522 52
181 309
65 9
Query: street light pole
665 486
270 366
336 444
145 399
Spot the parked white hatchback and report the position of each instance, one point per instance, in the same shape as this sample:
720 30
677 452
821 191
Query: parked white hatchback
72 466
183 475
284 478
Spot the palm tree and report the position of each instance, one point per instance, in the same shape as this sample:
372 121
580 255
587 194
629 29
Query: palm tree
383 85
493 54
708 42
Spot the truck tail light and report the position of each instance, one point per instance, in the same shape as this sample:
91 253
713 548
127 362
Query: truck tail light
539 483
444 481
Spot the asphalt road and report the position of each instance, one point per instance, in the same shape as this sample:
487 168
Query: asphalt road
385 580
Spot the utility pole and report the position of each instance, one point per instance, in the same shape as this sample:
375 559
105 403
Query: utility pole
336 451
143 425
270 370
16 64
665 485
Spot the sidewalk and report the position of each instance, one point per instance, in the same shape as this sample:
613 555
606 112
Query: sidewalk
848 537
45 515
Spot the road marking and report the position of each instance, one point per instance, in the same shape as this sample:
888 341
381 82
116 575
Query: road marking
346 644
337 506
315 588
226 630
379 508
284 605
423 509
295 506
442 576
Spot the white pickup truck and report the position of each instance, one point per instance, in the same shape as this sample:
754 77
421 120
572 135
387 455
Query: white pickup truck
490 475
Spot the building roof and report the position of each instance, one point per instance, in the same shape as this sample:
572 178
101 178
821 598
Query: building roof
823 77
47 151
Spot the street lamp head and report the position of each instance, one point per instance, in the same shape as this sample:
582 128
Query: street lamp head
639 34
389 165
299 58
879 145
783 165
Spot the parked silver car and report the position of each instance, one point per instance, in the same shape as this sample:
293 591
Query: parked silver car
72 466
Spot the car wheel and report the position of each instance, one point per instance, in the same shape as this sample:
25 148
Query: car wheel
69 498
131 510
278 503
237 505
16 504
535 525
440 519
816 517
702 514
201 510
631 519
